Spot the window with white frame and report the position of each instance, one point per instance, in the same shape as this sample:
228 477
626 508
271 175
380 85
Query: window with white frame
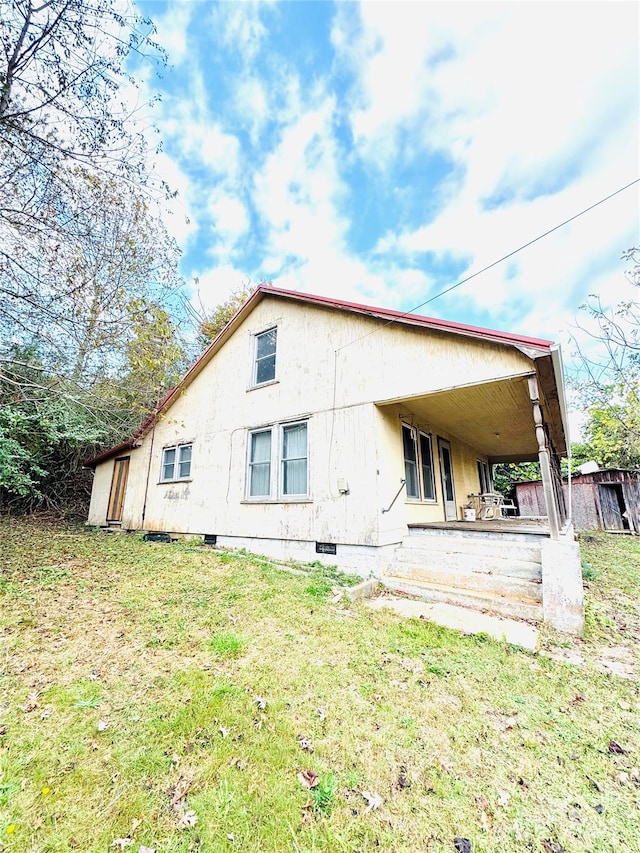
278 462
484 476
264 366
260 464
176 463
418 464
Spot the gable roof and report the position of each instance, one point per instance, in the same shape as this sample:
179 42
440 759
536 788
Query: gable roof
539 346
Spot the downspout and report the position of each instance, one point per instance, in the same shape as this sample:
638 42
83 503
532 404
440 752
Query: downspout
569 485
146 485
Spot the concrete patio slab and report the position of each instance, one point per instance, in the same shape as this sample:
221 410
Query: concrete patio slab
461 619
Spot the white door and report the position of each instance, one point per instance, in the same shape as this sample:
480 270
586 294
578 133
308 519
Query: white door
446 473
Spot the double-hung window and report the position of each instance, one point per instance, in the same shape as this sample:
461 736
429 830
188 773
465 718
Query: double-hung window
260 464
176 463
418 464
484 476
278 458
264 366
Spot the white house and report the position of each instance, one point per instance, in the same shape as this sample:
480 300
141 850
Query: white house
313 428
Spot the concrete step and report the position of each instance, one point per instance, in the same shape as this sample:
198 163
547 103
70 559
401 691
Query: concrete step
529 610
451 560
525 551
463 530
524 589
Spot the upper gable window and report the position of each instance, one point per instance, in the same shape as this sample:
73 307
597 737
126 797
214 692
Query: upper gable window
264 369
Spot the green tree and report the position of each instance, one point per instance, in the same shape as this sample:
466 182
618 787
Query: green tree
213 322
507 474
45 433
608 375
612 433
87 270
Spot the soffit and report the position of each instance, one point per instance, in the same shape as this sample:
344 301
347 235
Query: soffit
495 418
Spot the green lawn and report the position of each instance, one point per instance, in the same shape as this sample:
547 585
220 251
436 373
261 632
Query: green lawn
168 697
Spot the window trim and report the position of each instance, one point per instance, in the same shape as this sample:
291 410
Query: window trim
484 471
250 464
177 462
416 436
434 494
255 359
276 471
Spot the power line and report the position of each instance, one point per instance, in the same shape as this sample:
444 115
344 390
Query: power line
494 263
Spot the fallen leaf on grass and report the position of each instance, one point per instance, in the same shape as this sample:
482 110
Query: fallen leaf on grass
143 849
553 847
31 704
503 799
188 820
402 781
305 743
322 714
622 777
223 731
374 800
595 784
462 845
308 778
616 748
182 788
485 817
260 702
103 725
238 763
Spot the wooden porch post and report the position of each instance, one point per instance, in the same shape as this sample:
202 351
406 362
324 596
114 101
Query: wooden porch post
545 464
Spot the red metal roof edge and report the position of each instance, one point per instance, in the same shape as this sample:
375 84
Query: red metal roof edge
166 400
413 319
112 451
327 302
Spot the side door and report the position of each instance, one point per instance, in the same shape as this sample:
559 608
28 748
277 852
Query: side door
118 488
446 474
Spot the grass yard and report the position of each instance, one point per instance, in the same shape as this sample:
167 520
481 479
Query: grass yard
166 697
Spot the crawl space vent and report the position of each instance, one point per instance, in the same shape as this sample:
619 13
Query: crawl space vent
325 548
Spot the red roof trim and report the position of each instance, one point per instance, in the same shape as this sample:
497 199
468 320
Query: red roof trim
326 302
113 451
413 319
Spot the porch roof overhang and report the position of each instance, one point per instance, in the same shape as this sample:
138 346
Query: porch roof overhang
494 417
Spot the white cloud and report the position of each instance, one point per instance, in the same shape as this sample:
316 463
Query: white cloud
535 109
229 217
239 26
172 30
215 285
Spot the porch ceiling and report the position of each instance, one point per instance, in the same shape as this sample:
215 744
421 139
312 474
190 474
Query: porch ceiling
494 417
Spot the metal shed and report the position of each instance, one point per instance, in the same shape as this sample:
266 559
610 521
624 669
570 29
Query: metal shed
600 500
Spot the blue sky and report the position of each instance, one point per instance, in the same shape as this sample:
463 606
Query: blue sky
379 152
